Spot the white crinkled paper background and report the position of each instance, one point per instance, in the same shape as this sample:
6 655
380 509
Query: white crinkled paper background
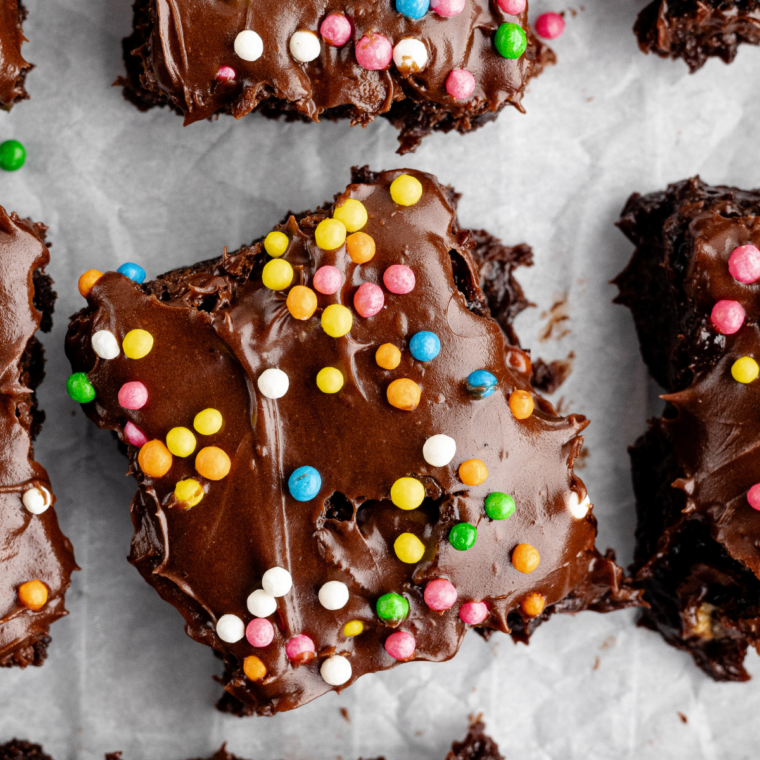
117 185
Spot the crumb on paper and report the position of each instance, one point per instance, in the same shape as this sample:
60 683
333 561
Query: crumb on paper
346 715
549 376
609 642
597 663
557 318
683 718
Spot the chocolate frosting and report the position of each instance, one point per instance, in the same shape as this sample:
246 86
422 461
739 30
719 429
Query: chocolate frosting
31 546
13 67
217 328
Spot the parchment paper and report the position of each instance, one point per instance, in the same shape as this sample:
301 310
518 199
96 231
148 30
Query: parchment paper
116 185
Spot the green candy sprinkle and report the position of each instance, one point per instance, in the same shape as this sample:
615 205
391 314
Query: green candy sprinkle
80 388
12 155
463 536
392 607
499 506
511 41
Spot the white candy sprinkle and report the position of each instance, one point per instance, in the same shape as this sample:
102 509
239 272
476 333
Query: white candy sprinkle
37 500
248 45
439 450
304 46
230 628
277 581
333 595
336 670
410 55
578 509
261 604
105 345
273 383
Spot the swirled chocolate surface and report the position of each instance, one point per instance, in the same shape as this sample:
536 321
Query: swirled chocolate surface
216 328
32 546
13 67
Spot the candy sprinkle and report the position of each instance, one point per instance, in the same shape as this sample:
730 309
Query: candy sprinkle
301 302
37 500
212 463
330 234
188 493
155 459
533 604
374 52
277 274
463 536
248 46
410 55
80 388
404 394
406 190
336 670
578 509
399 279
425 346
439 450
33 595
337 320
388 356
137 344
440 595
180 441
521 403
369 300
333 595
304 46
353 628
401 645
447 8
409 549
460 84
230 628
753 496
392 608
87 280
361 247
549 26
336 29
525 558
276 244
481 383
300 649
259 632
473 613
745 370
12 155
352 214
254 668
407 493
133 395
500 506
226 74
513 7
329 380
105 345
304 483
510 41
273 383
744 264
133 272
134 435
473 472
208 422
277 582
414 9
727 316
261 604
327 280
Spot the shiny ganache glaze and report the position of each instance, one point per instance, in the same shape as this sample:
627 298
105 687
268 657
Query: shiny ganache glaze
13 67
216 328
32 547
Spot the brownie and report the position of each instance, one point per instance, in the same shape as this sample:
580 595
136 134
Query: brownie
184 56
210 333
697 556
32 547
13 67
696 30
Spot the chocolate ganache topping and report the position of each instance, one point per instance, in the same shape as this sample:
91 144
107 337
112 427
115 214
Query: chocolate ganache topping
347 59
13 67
36 559
340 521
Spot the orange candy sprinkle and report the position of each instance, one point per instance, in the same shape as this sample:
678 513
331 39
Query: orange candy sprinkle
33 595
473 472
521 404
388 356
302 302
155 459
254 668
212 463
404 394
361 247
525 558
533 604
87 280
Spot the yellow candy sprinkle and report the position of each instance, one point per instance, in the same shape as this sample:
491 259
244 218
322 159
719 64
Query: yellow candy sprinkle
329 380
277 274
353 628
388 356
330 234
409 548
337 320
137 344
276 243
208 422
745 370
406 190
188 493
352 213
407 493
180 441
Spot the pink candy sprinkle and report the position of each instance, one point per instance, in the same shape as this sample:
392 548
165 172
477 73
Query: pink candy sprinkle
374 52
549 26
460 84
300 648
727 316
260 633
447 8
133 395
327 280
134 435
473 613
753 496
336 29
440 595
369 299
400 645
744 264
225 73
399 279
513 7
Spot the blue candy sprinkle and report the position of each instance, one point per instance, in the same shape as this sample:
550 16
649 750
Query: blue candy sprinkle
304 483
425 346
413 8
481 383
133 271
